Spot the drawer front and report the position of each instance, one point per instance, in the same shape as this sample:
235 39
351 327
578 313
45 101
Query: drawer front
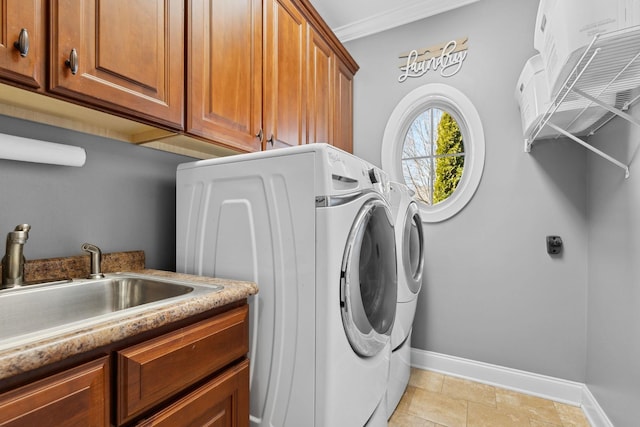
223 401
155 370
76 397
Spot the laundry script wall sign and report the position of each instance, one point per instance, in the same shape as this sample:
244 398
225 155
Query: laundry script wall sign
446 58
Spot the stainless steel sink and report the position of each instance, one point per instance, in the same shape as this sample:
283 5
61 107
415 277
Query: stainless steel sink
41 309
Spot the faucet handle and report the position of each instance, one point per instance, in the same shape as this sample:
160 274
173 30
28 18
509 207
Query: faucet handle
13 260
19 235
96 257
88 247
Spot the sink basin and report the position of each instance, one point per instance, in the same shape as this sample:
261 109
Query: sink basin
39 308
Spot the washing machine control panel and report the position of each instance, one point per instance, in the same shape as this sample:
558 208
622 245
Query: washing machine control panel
379 180
341 173
374 175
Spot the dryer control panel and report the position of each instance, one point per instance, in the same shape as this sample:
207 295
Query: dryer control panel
380 181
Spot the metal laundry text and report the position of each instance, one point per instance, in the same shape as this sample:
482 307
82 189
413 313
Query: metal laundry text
447 57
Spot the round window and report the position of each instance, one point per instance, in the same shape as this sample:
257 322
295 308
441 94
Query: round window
434 142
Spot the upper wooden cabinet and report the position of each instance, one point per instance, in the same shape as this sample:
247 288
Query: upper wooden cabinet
224 72
343 108
265 71
230 76
123 55
284 85
22 42
330 86
320 90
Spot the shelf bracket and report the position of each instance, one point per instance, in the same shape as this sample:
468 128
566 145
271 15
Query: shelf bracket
569 85
608 107
600 70
591 148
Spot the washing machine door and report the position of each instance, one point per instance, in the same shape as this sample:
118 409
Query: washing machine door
369 279
413 248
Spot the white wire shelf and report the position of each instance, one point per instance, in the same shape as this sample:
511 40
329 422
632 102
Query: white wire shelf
604 84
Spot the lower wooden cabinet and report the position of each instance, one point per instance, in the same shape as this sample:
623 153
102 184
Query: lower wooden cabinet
76 397
197 375
153 371
223 401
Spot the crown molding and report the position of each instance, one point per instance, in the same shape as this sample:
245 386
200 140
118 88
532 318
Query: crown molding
414 11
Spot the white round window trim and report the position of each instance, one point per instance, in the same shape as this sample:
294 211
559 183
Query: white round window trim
455 102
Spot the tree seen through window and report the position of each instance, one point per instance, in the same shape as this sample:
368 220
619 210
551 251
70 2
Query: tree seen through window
433 156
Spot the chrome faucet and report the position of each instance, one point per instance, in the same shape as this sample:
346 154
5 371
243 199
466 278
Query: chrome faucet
96 258
13 261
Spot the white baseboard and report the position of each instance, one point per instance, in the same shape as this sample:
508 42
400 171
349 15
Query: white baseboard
592 409
559 390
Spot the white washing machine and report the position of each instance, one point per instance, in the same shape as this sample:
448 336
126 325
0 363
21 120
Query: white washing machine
410 252
311 225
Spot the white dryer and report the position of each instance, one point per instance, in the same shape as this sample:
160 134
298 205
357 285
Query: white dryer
410 252
311 225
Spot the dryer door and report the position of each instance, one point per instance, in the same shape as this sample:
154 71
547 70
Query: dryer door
413 248
369 279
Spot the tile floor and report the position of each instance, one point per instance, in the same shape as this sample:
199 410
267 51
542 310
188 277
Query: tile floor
437 400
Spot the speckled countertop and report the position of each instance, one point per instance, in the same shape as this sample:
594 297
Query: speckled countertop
32 355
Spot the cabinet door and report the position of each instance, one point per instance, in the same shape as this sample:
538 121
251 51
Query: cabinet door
320 90
153 371
127 55
343 113
223 401
285 66
22 19
224 72
76 397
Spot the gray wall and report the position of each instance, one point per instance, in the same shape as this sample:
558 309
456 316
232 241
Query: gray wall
122 199
491 292
613 356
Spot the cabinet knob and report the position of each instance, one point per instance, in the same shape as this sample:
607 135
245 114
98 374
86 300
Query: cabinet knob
72 62
270 140
259 135
23 43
